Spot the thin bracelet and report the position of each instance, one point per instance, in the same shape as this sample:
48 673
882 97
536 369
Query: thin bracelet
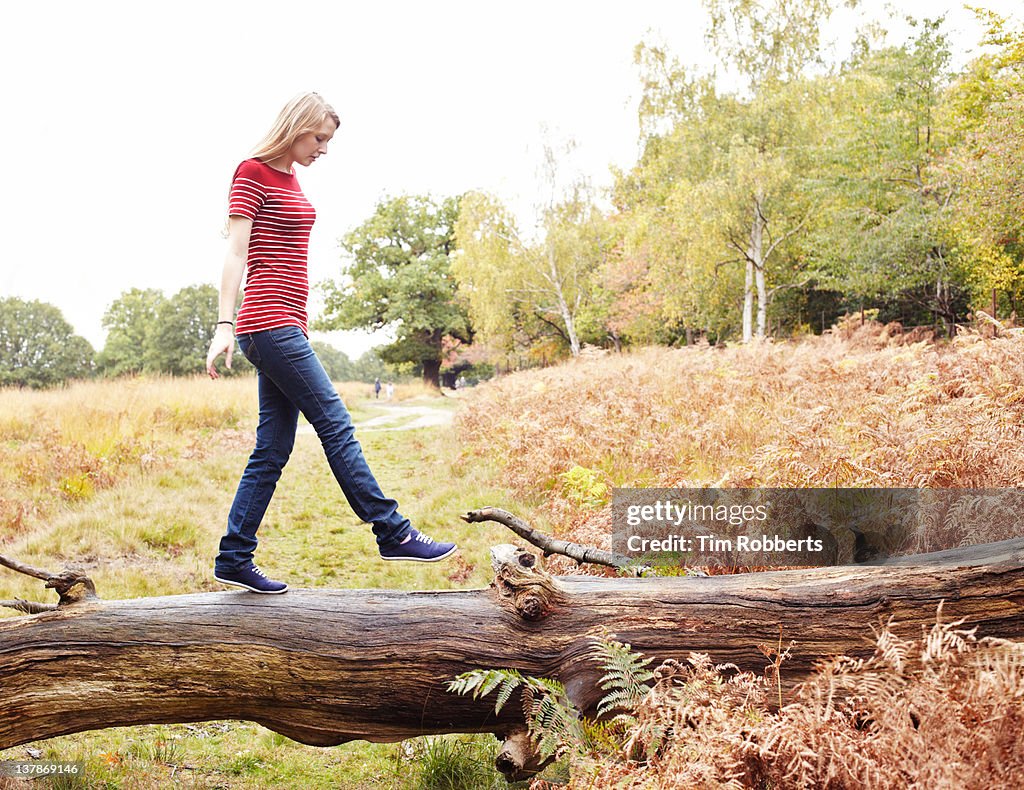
225 322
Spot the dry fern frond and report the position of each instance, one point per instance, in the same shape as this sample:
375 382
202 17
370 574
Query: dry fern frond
943 710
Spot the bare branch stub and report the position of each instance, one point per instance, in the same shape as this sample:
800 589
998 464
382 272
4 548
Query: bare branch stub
28 607
72 586
519 757
549 545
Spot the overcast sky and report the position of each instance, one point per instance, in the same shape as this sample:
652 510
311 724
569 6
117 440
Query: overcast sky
123 121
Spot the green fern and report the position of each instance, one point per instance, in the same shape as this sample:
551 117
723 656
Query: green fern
554 723
626 675
510 684
481 682
603 736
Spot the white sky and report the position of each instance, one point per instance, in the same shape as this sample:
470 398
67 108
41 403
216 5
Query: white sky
123 121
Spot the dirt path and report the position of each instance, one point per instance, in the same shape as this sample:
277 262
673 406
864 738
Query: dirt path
422 417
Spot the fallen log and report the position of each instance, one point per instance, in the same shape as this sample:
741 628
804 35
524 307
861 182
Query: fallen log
328 666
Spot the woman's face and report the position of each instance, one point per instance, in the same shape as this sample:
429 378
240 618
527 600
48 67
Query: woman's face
307 147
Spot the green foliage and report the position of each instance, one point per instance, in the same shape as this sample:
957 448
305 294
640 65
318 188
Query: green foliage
817 186
584 486
481 682
626 675
148 332
483 263
131 323
450 763
885 238
768 42
38 348
185 325
713 214
370 366
551 718
986 217
397 277
336 363
554 723
535 296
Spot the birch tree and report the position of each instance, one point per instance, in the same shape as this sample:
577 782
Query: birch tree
520 289
727 175
769 44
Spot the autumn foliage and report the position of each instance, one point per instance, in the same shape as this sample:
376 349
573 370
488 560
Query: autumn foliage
863 406
942 710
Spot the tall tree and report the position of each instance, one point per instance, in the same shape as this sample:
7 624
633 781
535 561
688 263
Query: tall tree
521 290
725 178
397 277
770 45
885 238
131 322
986 169
38 347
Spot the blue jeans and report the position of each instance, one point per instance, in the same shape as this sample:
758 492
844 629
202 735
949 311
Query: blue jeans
291 379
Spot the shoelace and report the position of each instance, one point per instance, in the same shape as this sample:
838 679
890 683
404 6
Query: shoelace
423 538
258 572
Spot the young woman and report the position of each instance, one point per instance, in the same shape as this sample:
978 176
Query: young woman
269 221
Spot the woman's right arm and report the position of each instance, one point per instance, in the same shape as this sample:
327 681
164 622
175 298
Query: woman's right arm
239 230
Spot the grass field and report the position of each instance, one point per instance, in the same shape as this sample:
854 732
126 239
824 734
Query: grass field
133 480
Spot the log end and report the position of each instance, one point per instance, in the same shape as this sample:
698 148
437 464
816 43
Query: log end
518 758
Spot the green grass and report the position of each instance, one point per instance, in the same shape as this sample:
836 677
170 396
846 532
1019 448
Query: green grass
155 532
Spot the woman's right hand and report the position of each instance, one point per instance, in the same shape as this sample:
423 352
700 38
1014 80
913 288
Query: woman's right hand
223 343
239 230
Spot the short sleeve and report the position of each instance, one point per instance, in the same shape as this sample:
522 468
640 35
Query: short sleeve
247 194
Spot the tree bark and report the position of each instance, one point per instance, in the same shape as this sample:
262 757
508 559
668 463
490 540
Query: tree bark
432 373
328 666
748 302
758 260
555 280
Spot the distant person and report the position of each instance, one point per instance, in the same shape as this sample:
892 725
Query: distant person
390 390
269 221
376 387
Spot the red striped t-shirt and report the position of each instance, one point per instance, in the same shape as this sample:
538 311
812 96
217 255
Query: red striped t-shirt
276 279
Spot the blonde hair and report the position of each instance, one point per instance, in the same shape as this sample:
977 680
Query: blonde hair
305 113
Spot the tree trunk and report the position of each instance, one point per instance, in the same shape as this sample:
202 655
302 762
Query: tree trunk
944 306
432 373
568 321
327 666
756 263
762 302
748 303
